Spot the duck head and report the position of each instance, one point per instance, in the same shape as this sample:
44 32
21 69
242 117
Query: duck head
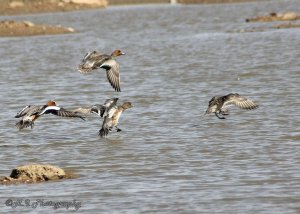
117 53
127 105
51 103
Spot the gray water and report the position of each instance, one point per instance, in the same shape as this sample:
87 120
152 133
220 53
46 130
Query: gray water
167 159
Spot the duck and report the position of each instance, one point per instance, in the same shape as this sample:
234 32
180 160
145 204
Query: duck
111 119
31 113
219 104
94 60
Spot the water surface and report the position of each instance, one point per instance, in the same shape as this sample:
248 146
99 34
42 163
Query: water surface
167 159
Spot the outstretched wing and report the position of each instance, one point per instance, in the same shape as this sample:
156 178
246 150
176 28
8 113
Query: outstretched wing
83 110
112 68
110 102
24 111
239 101
28 110
98 109
56 110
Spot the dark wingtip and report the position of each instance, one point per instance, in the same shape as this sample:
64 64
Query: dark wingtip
118 89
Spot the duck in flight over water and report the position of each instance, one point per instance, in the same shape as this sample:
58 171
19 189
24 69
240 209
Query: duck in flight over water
111 118
109 111
94 60
32 112
219 104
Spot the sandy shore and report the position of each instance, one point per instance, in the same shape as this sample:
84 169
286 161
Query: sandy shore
14 7
42 6
10 27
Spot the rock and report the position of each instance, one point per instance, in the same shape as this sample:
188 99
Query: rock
289 16
37 172
28 24
61 4
71 29
15 4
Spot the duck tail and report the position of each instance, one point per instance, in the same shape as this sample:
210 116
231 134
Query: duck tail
24 124
103 132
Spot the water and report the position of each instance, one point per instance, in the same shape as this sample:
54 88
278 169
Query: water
167 159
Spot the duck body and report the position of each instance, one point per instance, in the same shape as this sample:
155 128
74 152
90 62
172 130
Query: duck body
95 60
220 104
29 114
111 119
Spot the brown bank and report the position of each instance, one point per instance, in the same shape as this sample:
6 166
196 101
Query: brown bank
12 7
273 17
26 28
35 173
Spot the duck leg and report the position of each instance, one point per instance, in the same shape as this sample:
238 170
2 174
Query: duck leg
218 116
224 113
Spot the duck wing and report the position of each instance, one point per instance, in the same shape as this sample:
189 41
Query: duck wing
112 68
92 61
103 110
83 110
97 109
58 111
24 111
110 102
239 101
29 110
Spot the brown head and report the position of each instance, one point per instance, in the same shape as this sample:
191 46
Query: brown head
51 103
117 53
127 105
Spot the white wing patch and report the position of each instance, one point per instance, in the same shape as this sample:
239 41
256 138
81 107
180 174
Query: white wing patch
56 108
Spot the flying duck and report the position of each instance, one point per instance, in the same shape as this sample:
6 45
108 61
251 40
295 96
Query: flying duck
111 119
32 112
219 104
94 60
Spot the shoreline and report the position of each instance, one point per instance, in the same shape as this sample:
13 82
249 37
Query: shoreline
23 7
13 28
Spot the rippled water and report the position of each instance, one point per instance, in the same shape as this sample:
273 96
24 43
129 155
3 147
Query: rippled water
167 159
